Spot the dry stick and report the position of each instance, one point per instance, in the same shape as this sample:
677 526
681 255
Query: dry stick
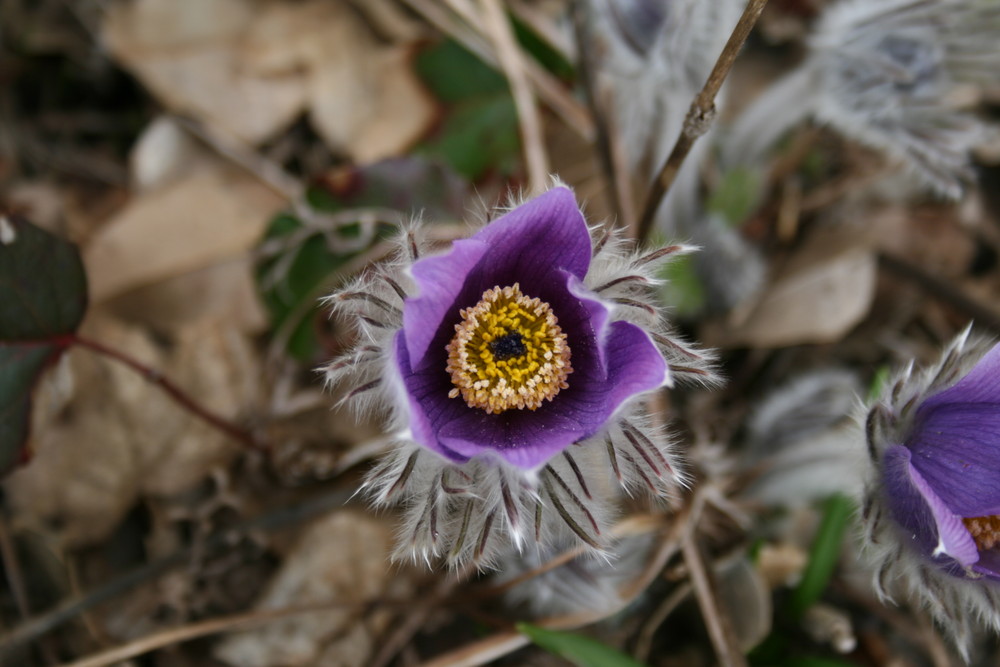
700 116
609 148
417 616
548 88
12 568
173 391
269 172
68 609
503 643
15 580
941 290
644 643
212 626
716 619
512 62
543 25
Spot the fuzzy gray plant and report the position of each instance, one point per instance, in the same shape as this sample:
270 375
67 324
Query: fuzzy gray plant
659 54
929 512
883 73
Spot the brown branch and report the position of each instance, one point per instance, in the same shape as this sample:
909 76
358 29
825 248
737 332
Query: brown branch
505 642
716 619
213 626
173 391
982 313
700 115
548 88
278 519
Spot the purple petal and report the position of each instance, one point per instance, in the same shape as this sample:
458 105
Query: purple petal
440 280
980 385
526 439
547 232
956 448
612 361
527 245
634 364
989 564
934 528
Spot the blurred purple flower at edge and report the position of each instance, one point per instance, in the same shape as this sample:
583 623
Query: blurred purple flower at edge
931 513
511 375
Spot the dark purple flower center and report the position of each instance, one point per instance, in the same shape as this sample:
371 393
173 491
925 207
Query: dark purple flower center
508 346
508 352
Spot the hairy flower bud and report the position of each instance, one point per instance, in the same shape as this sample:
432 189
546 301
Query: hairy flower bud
932 508
512 369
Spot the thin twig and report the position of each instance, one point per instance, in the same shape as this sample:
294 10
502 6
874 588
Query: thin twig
948 294
645 641
512 62
505 642
609 148
173 391
69 608
417 616
547 87
267 171
213 626
716 619
700 116
12 569
15 580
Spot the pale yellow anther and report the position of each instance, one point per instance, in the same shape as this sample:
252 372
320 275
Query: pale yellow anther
536 355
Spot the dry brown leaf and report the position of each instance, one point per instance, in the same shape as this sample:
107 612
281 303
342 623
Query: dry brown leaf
364 99
225 292
342 558
103 435
825 290
212 215
187 53
386 111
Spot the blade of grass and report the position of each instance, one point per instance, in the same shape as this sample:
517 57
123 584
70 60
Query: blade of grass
581 651
823 555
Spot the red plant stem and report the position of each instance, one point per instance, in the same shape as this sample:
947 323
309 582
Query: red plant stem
173 391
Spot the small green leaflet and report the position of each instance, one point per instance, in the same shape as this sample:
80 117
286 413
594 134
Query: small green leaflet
580 650
43 297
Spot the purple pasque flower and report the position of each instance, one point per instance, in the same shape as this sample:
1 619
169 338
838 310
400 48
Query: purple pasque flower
932 509
511 368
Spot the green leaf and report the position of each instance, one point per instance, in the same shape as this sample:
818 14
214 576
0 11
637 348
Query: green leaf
737 195
683 292
454 74
544 53
43 288
478 132
292 282
479 135
878 382
824 554
815 662
581 651
43 297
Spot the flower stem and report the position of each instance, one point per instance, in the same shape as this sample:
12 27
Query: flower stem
173 391
700 115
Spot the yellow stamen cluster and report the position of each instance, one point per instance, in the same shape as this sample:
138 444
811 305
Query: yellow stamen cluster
985 530
508 352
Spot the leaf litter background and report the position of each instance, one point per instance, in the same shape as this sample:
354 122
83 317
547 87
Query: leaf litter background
221 165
